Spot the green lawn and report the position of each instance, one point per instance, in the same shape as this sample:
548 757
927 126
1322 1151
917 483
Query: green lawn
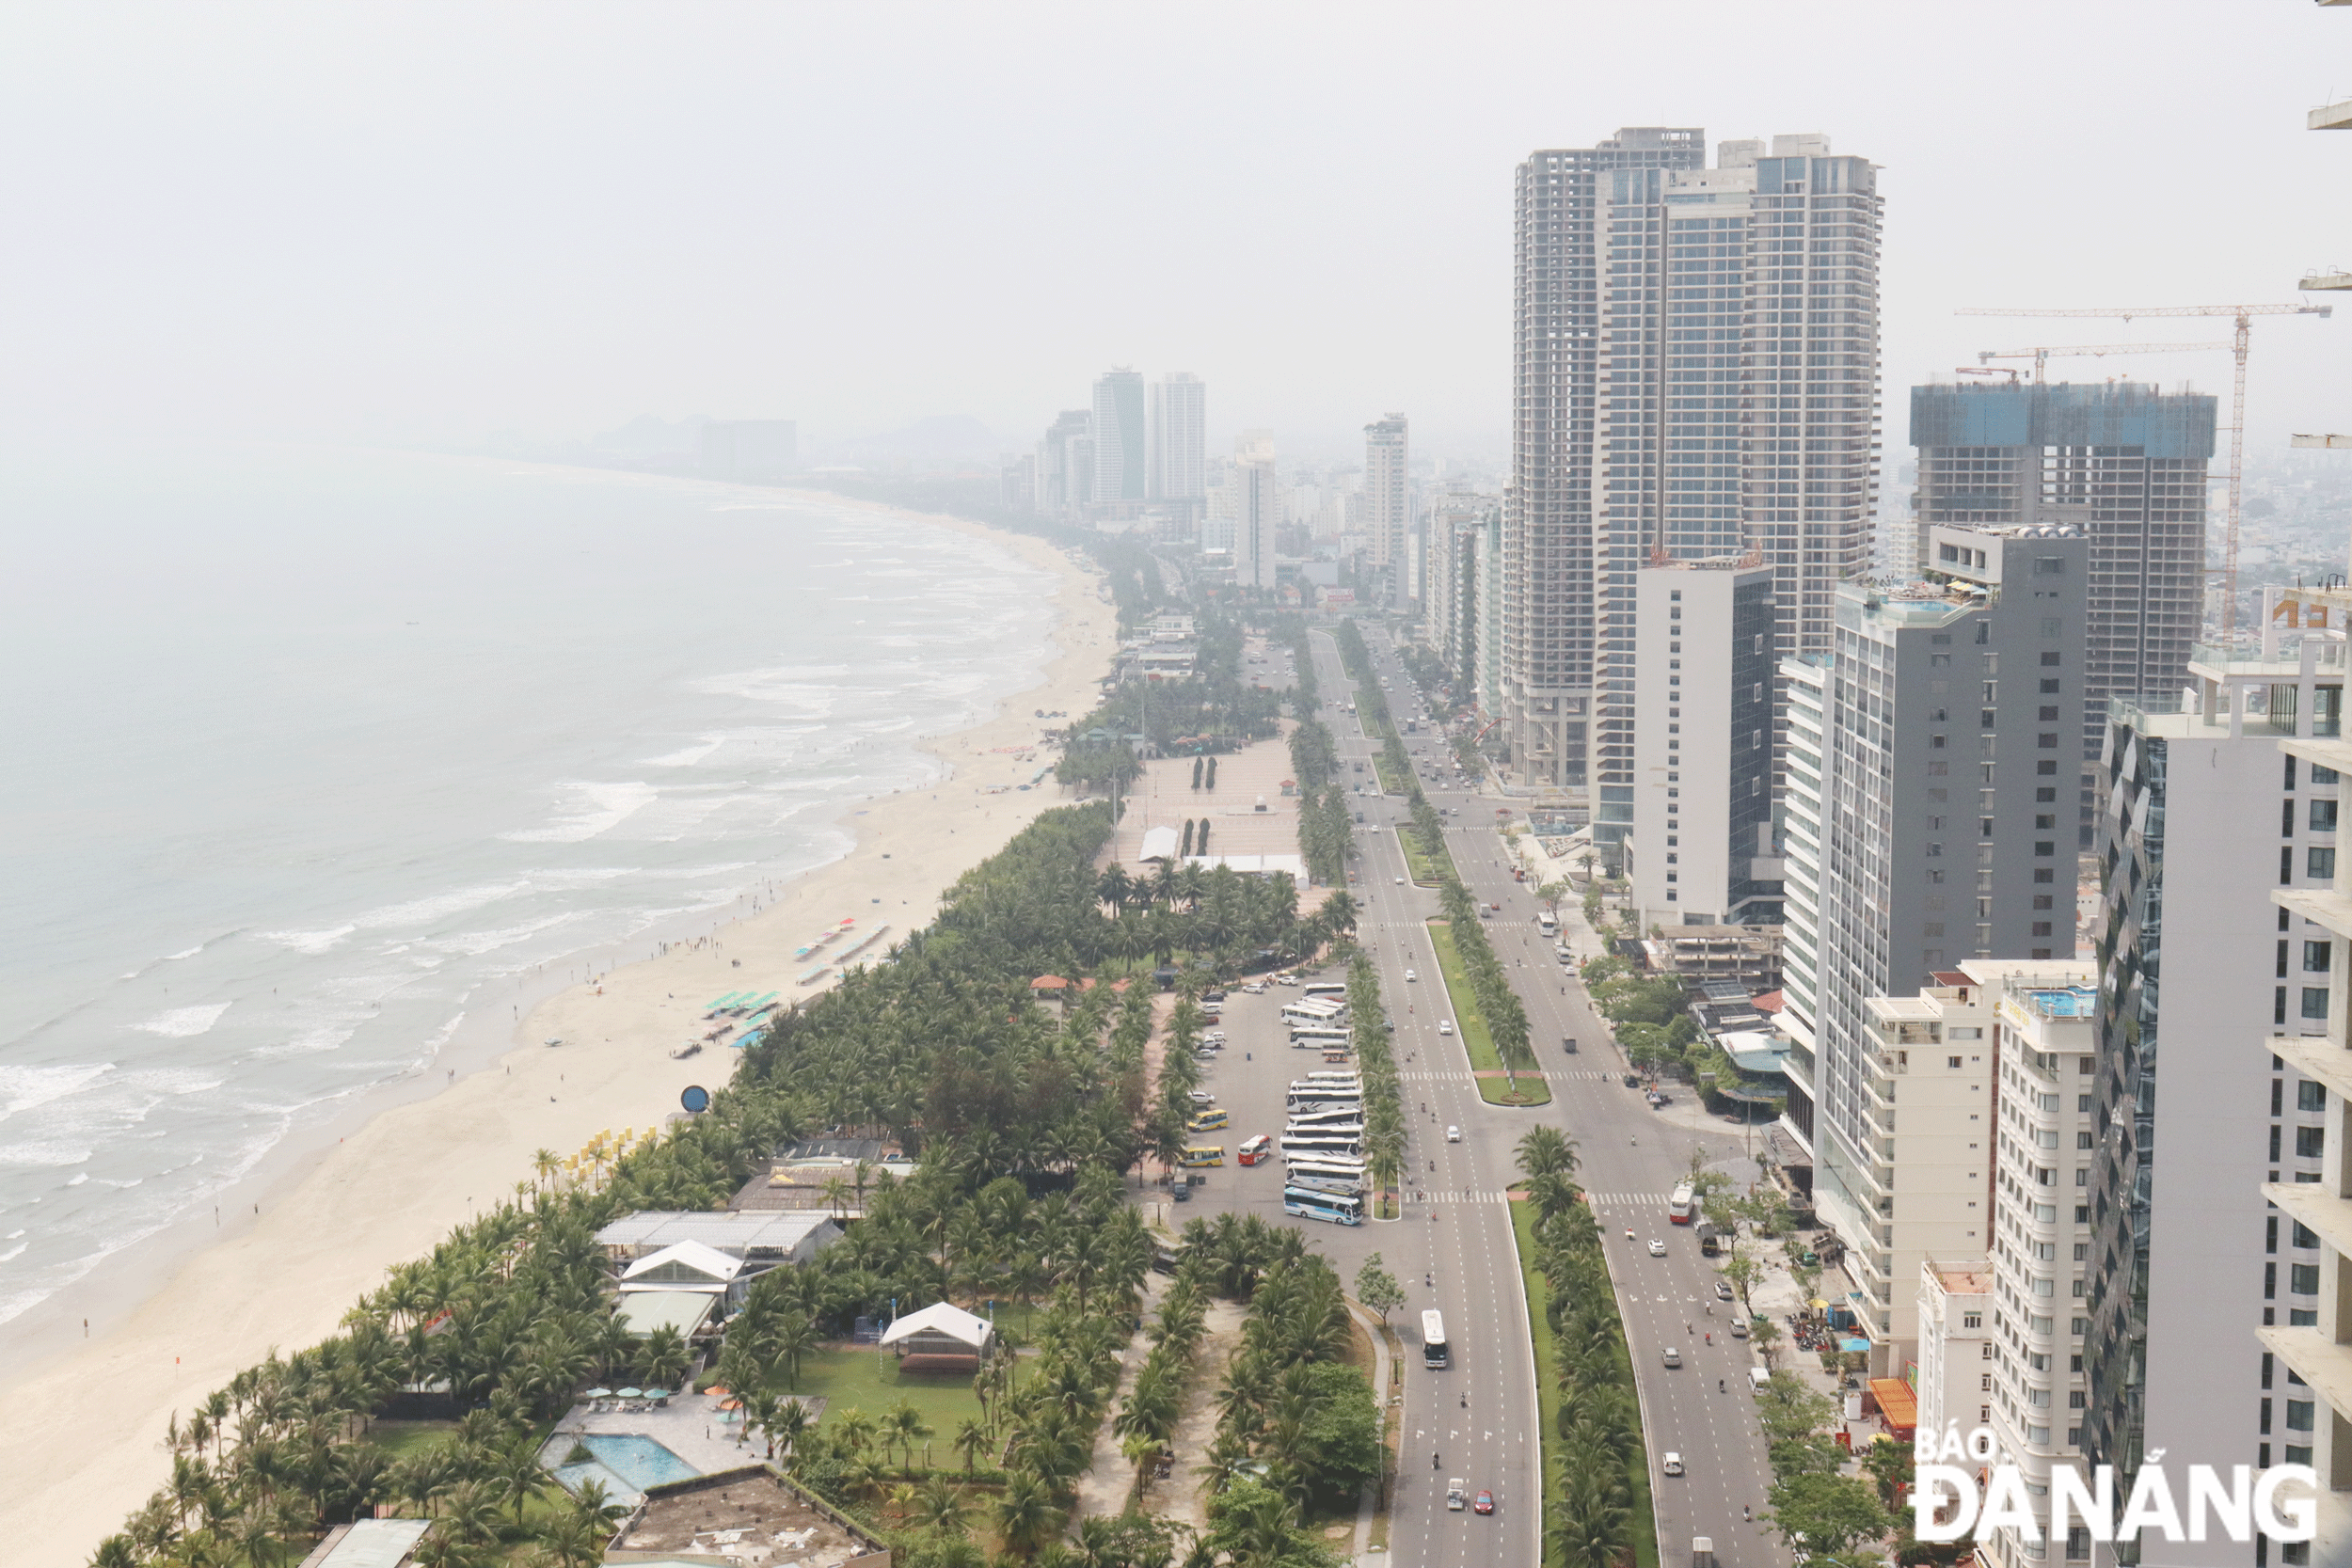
1426 870
871 1383
402 1438
1390 781
1548 1401
1470 1024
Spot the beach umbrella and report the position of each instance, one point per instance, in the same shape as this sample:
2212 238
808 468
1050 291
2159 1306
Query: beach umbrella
598 1394
631 1394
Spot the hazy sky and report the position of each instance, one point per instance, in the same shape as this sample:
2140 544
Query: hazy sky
419 221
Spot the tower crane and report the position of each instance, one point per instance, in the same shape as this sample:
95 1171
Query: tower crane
2241 340
2040 356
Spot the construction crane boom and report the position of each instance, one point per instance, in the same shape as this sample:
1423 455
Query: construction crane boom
2041 356
2242 317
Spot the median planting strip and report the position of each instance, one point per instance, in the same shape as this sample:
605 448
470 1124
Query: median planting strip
1496 1085
1588 1497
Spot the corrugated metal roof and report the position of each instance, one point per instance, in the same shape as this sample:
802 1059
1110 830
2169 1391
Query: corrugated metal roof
376 1543
729 1231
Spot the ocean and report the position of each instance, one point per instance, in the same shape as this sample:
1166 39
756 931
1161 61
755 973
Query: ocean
311 753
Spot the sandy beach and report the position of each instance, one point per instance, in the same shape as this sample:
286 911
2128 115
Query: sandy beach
82 1433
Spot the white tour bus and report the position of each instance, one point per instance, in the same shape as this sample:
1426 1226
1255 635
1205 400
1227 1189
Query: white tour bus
1435 1352
1306 1203
1324 988
1311 1014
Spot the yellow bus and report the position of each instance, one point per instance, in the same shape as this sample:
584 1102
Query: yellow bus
1203 1154
1208 1120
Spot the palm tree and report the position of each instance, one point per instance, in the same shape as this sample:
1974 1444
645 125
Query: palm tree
547 1162
940 1506
794 1335
1143 1453
665 1358
1546 1149
971 1438
904 1425
1025 1516
791 1420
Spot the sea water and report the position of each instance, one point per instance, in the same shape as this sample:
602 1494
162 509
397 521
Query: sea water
308 754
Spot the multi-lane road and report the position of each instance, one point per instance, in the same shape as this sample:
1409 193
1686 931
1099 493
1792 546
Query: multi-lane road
1454 1250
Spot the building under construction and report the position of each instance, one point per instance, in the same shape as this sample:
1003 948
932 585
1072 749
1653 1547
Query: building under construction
2123 463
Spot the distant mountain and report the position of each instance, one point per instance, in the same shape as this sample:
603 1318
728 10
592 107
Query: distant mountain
939 437
647 436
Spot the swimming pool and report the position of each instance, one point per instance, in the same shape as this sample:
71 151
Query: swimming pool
636 1462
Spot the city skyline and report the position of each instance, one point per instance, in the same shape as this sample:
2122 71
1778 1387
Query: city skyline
796 308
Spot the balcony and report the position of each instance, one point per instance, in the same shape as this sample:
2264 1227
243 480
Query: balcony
2310 1204
2327 906
2317 1359
2315 1059
2334 117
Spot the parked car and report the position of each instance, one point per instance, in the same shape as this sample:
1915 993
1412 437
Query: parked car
1738 1328
1722 1290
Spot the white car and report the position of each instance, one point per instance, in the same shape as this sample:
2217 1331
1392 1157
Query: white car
1410 975
1658 1249
1671 1465
1445 1026
1400 881
1672 1356
1255 987
1200 1097
1454 1134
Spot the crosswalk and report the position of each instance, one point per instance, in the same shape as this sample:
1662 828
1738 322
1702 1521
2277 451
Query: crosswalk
1470 1195
1590 1075
1627 1200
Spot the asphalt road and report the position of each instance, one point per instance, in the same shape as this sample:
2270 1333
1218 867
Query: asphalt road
1454 1248
1629 1162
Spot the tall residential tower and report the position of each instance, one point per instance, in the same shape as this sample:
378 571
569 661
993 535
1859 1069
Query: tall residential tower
1389 506
1696 377
1947 748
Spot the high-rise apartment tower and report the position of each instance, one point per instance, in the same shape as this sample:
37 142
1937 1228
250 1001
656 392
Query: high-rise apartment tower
1929 833
1177 467
2125 463
1695 375
1388 505
1121 445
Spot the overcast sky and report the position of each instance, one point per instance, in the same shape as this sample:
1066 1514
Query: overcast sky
423 221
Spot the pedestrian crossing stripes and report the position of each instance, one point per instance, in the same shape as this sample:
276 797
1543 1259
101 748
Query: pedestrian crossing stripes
1594 1077
1466 1195
1622 1200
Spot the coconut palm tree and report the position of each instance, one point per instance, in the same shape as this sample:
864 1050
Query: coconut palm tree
1025 1516
971 1438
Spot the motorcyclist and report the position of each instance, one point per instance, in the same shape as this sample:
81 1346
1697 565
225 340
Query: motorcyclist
1719 1385
1433 1462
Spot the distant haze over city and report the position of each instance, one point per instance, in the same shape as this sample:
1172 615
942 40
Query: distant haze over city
431 223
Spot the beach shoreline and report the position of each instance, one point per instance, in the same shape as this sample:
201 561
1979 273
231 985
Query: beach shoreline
416 1157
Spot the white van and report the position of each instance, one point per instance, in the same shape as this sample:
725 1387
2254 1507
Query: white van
1759 1380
